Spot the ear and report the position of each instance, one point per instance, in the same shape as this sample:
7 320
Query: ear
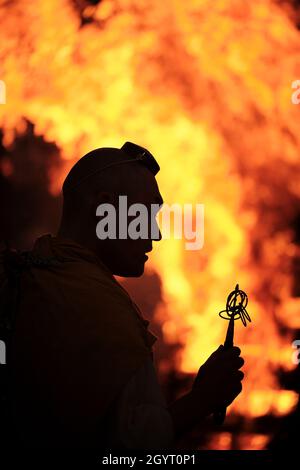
101 197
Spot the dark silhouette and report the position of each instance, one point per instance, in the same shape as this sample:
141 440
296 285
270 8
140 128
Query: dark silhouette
79 351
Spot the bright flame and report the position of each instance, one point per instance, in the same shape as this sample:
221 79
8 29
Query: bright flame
206 86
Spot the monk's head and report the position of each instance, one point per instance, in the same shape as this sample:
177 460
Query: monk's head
111 198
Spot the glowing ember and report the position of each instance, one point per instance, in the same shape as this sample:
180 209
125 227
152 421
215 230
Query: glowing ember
206 86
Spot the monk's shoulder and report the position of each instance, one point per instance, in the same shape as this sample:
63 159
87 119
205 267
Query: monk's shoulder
80 300
97 302
89 284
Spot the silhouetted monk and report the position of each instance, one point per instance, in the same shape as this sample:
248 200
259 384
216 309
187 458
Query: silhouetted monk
81 354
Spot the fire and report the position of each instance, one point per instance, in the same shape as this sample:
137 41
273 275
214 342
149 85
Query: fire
206 86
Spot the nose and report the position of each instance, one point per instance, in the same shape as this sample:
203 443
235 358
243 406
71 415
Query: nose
157 236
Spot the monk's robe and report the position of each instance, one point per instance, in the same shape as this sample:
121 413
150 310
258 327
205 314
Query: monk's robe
78 341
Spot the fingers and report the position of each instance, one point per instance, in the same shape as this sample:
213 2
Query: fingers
232 352
236 379
237 363
237 382
217 352
232 358
231 365
235 388
231 395
240 375
238 389
224 361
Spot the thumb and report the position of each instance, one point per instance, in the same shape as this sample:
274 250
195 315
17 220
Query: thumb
217 351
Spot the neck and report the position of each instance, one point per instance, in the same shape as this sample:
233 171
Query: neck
76 234
71 233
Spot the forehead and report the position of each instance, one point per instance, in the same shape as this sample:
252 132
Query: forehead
144 187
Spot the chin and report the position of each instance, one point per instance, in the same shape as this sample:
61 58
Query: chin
132 271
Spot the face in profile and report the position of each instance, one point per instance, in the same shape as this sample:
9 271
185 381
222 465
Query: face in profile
126 254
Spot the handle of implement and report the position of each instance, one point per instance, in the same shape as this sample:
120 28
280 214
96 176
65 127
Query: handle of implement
220 415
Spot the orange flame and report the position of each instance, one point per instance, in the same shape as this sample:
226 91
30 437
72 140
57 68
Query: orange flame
206 86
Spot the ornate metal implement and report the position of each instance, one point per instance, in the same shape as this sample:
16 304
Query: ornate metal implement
235 309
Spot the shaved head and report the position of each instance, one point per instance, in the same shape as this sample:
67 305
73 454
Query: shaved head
100 159
92 165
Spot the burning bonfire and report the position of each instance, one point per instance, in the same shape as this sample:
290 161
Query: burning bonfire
206 86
